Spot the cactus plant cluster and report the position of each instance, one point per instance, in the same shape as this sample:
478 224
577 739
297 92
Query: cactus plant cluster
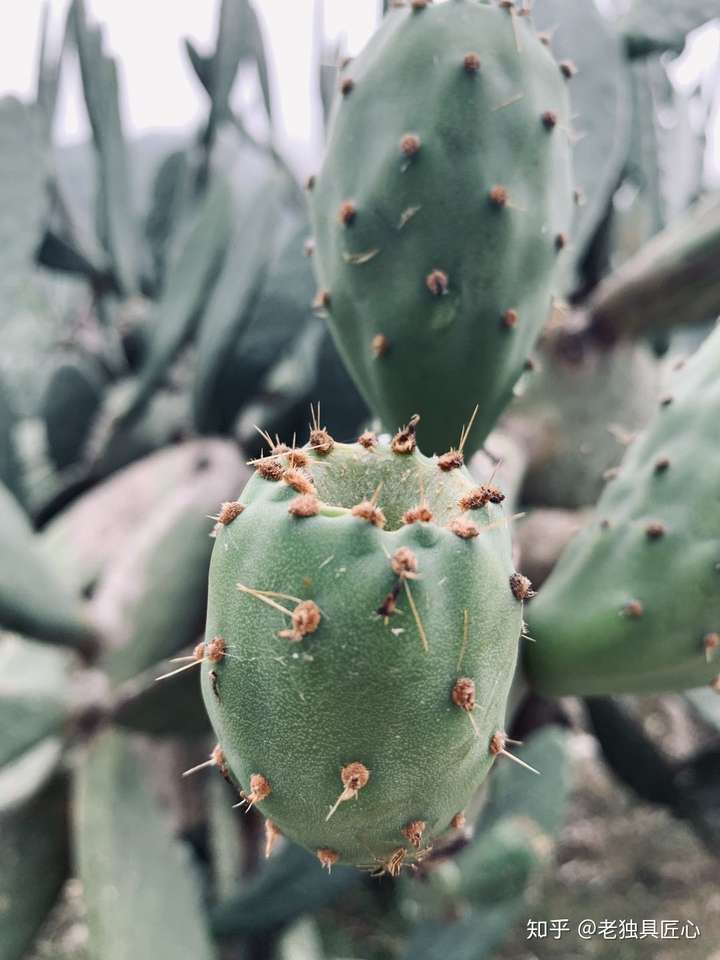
359 691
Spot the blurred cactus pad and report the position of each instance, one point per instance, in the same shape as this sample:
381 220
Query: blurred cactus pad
358 501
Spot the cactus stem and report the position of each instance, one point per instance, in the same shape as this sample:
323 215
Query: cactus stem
328 858
214 683
508 103
497 749
354 776
272 832
711 641
414 832
416 617
260 790
466 636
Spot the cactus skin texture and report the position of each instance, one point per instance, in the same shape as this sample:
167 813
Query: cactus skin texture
348 706
441 212
633 604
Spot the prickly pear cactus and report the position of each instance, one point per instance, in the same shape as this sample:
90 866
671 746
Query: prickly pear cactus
633 606
442 210
363 625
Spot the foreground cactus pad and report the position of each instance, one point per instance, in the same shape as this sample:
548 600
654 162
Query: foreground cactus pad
363 626
442 210
633 606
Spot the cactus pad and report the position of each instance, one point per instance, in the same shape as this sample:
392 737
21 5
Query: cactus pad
442 210
633 605
361 640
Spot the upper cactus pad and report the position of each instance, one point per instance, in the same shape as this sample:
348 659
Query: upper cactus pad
441 211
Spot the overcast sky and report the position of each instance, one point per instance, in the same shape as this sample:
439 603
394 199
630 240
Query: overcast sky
160 91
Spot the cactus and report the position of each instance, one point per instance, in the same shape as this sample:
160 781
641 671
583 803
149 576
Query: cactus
357 589
439 223
629 630
364 613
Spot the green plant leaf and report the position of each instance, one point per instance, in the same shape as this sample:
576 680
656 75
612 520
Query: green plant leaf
288 887
24 169
85 539
152 601
141 890
33 846
230 309
33 600
72 399
600 98
653 26
189 279
238 38
34 688
10 468
171 196
115 208
201 64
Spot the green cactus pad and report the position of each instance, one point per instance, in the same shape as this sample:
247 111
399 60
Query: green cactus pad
361 639
633 605
441 212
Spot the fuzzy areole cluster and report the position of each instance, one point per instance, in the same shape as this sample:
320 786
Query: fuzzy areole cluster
360 645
